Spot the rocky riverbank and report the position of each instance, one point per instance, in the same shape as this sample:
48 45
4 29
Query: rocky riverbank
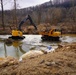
60 62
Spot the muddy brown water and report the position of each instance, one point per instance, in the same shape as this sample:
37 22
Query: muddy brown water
31 42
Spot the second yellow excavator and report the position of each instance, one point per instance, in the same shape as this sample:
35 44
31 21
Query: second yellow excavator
52 34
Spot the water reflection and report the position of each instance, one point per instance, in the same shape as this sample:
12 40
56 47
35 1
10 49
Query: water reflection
5 50
17 49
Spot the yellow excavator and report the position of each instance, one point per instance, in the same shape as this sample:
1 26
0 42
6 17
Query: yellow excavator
17 34
52 34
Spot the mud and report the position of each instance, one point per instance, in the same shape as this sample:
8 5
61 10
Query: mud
62 61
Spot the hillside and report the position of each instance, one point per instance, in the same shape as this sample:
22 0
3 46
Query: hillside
55 13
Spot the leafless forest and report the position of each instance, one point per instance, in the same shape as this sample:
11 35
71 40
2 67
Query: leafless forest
57 12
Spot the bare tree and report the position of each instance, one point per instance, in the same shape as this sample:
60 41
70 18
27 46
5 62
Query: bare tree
2 14
72 1
15 13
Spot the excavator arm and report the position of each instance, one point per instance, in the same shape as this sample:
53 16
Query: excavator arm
17 34
24 20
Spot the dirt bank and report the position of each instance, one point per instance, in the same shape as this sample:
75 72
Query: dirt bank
60 62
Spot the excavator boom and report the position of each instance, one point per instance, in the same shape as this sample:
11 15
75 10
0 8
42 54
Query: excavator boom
24 20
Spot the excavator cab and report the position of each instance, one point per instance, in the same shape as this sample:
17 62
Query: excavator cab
54 33
16 33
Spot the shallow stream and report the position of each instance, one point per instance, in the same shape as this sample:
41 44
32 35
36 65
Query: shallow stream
31 42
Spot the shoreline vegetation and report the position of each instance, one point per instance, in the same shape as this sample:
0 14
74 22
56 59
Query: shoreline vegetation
62 61
66 28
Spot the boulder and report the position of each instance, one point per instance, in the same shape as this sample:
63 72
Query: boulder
31 54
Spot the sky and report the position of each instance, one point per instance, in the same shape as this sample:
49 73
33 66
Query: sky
8 4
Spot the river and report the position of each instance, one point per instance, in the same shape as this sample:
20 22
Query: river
31 42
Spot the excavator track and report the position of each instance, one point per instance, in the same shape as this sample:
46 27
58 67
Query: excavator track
45 37
17 37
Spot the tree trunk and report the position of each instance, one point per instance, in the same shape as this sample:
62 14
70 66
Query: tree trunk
15 13
2 15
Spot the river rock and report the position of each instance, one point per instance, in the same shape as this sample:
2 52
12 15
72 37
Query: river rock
42 61
31 54
32 48
50 63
